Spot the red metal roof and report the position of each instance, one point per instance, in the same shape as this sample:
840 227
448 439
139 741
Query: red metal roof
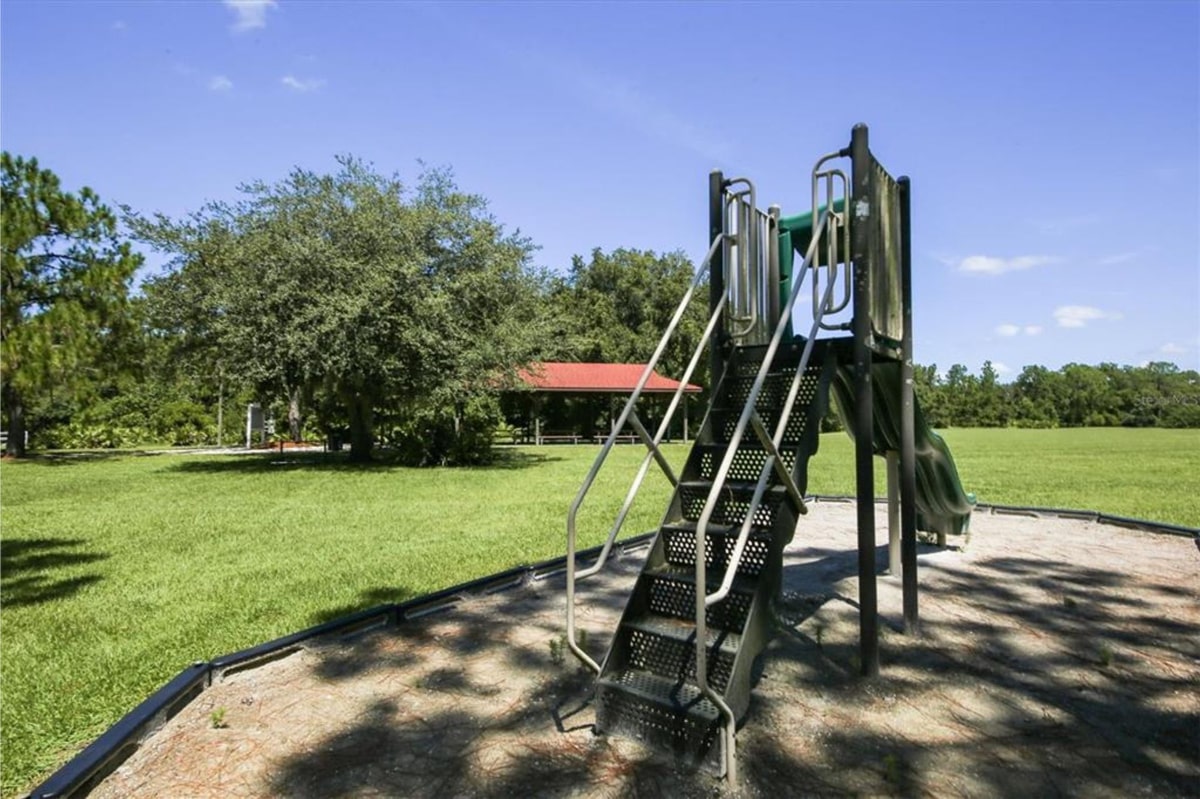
608 378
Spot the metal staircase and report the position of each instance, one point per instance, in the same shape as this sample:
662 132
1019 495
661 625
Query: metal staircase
648 687
683 661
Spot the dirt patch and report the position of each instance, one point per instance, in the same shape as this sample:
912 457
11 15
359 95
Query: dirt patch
1056 658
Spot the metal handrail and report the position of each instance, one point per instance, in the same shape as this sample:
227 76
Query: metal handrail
654 452
703 599
773 460
749 306
828 176
650 454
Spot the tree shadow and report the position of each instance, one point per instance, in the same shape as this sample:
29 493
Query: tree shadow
79 457
1032 677
367 598
27 566
1007 692
274 462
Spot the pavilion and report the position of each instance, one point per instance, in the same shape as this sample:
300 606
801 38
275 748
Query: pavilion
614 380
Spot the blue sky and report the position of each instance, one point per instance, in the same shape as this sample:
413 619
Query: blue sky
1054 148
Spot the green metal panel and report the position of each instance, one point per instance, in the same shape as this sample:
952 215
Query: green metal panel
942 504
795 234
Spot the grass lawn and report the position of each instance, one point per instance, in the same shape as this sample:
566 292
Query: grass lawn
1146 474
117 572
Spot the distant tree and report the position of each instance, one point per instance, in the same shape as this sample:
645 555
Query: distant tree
961 391
613 307
411 304
928 389
1038 395
66 277
993 403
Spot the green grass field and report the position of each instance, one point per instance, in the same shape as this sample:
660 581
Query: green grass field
117 572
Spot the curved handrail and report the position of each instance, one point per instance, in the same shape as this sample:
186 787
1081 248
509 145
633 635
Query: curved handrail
626 413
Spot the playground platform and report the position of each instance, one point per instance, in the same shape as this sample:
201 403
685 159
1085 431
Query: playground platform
1058 657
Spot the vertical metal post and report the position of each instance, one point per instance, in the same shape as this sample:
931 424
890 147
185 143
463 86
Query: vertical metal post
716 272
893 506
773 276
908 457
862 221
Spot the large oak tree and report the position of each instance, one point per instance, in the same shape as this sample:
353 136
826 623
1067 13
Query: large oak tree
351 285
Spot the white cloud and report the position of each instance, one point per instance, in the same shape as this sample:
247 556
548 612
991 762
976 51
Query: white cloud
1171 348
1119 258
1080 315
988 265
301 85
1008 330
249 14
219 83
1001 368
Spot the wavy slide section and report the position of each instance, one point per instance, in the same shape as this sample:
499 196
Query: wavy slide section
942 504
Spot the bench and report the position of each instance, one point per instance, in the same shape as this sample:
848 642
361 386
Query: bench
561 439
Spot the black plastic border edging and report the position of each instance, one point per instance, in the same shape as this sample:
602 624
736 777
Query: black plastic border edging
114 746
101 757
88 768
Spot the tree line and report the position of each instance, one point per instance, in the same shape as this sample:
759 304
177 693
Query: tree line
1158 394
359 306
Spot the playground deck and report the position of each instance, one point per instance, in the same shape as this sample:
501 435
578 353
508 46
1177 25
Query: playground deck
1059 657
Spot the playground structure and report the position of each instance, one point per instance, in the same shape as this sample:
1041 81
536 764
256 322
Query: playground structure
684 657
404 698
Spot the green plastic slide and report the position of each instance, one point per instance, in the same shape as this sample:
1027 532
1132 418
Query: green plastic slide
942 504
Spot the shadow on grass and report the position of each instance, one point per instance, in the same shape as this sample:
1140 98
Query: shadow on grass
274 462
27 566
367 598
78 457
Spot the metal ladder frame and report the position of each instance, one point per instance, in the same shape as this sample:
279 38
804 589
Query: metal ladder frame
752 308
835 223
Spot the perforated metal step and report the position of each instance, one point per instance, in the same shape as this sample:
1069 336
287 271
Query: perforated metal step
732 504
685 630
671 591
679 547
671 695
659 711
663 647
736 390
747 462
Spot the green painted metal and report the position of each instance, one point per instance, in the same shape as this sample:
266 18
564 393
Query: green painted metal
647 686
795 234
942 504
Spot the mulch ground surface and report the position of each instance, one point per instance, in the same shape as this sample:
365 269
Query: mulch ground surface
1056 658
